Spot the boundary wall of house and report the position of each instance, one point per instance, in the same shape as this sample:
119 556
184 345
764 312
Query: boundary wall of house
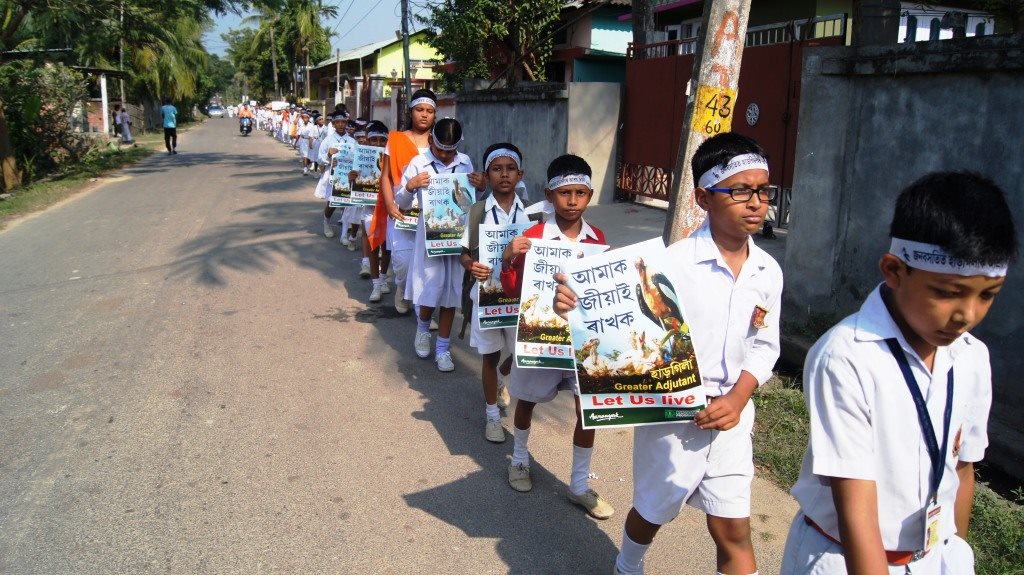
874 119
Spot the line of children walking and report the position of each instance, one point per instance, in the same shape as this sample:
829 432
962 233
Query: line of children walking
877 492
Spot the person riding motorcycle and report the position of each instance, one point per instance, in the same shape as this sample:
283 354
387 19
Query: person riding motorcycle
245 126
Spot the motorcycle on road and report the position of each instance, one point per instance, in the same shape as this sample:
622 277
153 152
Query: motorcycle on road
245 126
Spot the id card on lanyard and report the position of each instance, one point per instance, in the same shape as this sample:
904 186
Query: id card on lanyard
933 511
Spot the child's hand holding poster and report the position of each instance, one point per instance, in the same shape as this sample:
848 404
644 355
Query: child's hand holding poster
344 159
446 200
542 338
368 163
635 362
496 309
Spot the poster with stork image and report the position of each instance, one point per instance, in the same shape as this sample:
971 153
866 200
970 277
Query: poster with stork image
368 162
341 187
496 309
635 362
542 337
446 201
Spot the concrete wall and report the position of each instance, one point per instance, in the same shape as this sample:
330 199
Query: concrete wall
546 121
874 119
593 125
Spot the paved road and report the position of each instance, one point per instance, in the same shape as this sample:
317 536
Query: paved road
190 383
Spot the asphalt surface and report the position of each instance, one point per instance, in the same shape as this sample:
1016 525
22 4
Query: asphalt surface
191 382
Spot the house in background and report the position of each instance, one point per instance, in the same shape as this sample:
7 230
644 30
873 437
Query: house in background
365 74
590 42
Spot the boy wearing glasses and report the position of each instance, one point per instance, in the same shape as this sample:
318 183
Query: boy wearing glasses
737 289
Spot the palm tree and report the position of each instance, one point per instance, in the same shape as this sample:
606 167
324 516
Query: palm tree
266 19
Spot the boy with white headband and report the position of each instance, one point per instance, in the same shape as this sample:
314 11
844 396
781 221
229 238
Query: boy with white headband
737 287
899 394
503 169
569 190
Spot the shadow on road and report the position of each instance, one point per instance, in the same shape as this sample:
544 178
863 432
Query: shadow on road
536 532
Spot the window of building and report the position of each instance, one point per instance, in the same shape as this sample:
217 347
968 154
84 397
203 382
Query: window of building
935 28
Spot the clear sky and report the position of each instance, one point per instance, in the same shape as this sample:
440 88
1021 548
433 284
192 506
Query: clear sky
359 22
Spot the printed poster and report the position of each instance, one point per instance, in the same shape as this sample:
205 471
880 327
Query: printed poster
368 163
446 201
635 361
344 159
496 309
542 338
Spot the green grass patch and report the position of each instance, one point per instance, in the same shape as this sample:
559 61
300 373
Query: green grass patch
781 430
997 532
780 439
70 179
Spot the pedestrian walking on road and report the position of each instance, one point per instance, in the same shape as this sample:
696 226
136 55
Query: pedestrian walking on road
126 126
170 116
436 281
708 463
569 190
878 491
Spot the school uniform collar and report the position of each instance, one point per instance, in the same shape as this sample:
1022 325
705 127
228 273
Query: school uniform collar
706 250
551 231
459 159
874 323
490 203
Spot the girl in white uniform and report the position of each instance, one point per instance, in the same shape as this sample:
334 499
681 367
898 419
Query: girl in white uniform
436 281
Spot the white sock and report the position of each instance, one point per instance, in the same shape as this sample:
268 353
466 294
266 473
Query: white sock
492 412
631 557
376 282
366 261
520 455
580 469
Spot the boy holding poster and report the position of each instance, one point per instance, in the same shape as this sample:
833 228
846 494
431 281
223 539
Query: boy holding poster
880 490
735 289
369 160
491 225
569 191
436 280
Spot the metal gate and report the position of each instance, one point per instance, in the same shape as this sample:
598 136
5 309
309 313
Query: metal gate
766 106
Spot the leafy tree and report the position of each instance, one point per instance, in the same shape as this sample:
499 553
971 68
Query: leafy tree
493 38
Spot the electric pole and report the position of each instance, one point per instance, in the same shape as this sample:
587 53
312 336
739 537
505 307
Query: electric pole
405 49
710 103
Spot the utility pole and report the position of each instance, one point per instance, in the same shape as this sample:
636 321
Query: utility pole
337 77
710 103
405 50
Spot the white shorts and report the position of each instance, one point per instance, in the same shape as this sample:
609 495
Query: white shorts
811 553
400 265
540 385
679 463
491 340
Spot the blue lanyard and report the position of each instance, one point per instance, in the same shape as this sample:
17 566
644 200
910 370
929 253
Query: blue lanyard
494 213
927 430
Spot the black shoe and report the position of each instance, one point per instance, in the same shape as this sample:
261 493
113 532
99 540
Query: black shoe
175 152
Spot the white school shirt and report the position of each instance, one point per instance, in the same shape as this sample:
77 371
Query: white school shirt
496 215
333 140
864 424
719 309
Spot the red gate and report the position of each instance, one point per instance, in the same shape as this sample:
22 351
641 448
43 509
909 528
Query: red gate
766 106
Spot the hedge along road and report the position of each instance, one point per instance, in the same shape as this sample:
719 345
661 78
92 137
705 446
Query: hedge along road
191 382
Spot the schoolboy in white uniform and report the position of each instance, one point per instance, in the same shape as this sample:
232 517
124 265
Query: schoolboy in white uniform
899 394
736 288
503 168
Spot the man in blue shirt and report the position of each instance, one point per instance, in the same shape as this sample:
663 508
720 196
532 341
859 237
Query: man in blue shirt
170 115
